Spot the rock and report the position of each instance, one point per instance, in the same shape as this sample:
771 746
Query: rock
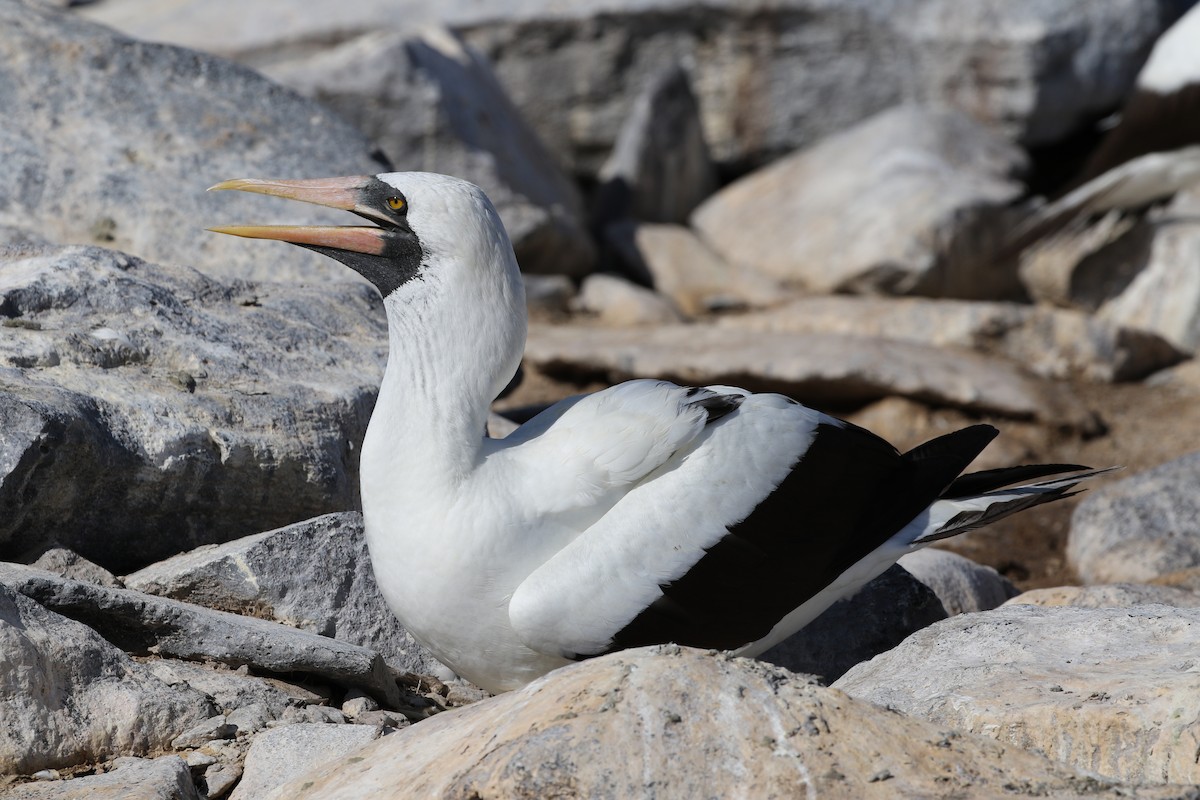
138 399
660 168
1111 691
1164 297
137 622
769 78
1051 342
548 295
315 575
858 628
112 141
960 584
911 201
72 698
673 260
70 564
204 732
1139 528
616 301
673 722
239 696
220 778
1113 595
281 754
356 704
819 369
165 778
434 105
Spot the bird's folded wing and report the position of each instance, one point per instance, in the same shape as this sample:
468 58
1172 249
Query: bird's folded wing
582 597
605 443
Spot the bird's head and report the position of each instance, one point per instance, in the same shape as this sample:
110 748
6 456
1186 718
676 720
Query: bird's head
422 222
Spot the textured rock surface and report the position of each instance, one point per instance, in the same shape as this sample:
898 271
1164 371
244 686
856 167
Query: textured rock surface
959 583
675 261
138 622
69 697
814 368
1052 342
1164 297
768 78
1139 528
660 168
315 575
911 201
857 628
281 754
156 408
1113 691
71 565
1111 595
670 722
111 141
165 778
434 105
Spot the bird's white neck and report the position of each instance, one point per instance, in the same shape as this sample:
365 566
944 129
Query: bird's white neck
456 338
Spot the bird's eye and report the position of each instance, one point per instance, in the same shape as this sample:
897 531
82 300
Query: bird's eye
395 203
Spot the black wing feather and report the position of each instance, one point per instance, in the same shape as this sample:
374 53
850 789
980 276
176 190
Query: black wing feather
845 496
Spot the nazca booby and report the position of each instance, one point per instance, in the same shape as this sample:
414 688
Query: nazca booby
644 513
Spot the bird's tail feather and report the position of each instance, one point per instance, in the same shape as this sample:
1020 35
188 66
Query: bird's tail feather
953 515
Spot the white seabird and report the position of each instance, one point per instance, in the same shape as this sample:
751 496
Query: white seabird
644 513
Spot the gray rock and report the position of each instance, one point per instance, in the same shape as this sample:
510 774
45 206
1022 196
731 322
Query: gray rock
235 694
279 755
616 301
250 718
548 295
204 732
960 584
911 201
855 629
356 704
1164 297
1111 690
70 564
1112 595
660 168
433 105
675 261
672 722
72 698
137 622
139 399
1137 529
314 575
220 778
1052 342
814 368
769 78
165 778
112 141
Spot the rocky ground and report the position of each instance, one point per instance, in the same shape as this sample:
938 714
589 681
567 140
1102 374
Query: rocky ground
830 200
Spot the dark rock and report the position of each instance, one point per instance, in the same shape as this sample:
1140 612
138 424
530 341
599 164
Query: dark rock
855 629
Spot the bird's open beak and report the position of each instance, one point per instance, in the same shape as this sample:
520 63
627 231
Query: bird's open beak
341 193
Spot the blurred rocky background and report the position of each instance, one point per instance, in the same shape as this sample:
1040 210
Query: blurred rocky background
912 213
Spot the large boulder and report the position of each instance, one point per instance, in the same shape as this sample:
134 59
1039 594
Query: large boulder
315 575
166 778
1109 690
147 410
1139 528
69 697
112 141
673 722
911 201
769 78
